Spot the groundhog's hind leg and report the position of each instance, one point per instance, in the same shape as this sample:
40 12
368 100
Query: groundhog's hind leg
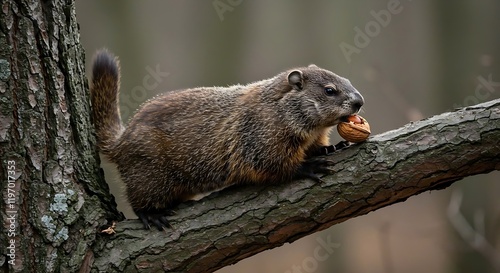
156 217
151 205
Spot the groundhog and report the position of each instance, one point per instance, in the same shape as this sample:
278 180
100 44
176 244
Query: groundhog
198 140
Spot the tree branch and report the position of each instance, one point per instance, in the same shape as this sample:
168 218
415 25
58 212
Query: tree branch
239 222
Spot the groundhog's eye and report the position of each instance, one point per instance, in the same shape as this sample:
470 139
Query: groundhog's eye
330 91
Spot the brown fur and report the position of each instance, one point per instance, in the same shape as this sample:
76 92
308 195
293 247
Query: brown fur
202 139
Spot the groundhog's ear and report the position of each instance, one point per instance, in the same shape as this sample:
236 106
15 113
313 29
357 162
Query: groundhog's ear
313 66
296 79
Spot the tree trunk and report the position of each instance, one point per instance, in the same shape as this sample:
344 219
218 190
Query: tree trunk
55 195
56 200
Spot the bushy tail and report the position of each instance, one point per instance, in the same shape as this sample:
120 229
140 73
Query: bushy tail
104 92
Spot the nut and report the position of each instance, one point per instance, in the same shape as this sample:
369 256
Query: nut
356 129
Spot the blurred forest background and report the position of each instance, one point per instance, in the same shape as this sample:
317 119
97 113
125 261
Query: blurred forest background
409 59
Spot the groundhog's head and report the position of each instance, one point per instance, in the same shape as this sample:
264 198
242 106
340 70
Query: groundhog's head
322 97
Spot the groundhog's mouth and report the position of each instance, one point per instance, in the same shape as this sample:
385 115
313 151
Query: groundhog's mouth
339 120
344 118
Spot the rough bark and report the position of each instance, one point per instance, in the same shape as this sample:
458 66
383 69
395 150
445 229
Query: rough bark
236 223
54 196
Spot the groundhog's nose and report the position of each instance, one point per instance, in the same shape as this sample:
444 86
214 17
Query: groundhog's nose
357 102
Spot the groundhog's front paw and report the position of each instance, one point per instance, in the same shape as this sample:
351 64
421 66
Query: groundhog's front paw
327 150
312 167
156 217
341 145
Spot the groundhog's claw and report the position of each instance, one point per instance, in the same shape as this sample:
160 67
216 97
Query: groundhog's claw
312 166
157 218
327 150
341 145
